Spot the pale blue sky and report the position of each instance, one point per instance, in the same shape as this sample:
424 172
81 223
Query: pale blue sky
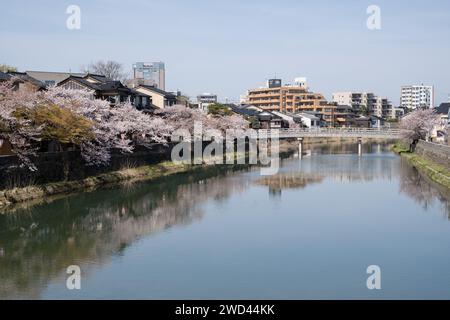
229 46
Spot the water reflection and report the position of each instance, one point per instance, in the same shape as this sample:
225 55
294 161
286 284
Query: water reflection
278 182
37 244
418 187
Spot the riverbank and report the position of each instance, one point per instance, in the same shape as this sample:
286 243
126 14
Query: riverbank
35 194
54 190
18 195
434 171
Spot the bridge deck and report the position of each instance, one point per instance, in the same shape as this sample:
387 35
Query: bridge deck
333 132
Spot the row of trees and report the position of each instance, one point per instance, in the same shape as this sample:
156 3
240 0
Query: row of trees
73 120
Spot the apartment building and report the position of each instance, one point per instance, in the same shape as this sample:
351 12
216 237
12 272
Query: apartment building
417 97
382 108
357 100
365 102
297 98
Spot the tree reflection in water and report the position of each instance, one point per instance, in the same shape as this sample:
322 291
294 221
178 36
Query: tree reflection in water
38 244
90 228
421 189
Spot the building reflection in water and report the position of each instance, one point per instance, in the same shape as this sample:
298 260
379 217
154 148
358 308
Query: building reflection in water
295 180
37 244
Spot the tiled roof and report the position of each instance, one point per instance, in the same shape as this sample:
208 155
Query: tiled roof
98 77
105 85
83 81
307 115
4 76
25 77
443 108
245 111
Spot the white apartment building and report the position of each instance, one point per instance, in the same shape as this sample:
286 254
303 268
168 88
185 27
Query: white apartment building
374 105
417 96
383 108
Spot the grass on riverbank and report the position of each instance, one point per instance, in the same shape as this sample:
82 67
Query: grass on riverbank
435 172
52 190
17 195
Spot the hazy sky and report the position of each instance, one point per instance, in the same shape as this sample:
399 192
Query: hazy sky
226 47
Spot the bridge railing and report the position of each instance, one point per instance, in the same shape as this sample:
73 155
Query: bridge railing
299 132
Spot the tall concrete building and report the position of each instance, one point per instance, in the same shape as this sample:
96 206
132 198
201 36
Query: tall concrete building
150 73
297 98
367 101
417 96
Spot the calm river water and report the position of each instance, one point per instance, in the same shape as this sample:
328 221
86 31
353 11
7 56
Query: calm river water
310 231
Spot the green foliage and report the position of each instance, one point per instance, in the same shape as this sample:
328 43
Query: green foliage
218 109
400 148
58 123
254 122
6 68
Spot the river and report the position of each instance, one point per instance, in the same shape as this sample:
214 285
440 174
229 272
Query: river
309 232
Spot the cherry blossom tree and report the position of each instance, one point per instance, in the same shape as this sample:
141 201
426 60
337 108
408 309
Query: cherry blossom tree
120 127
102 127
23 136
137 128
98 150
418 124
232 122
115 128
181 117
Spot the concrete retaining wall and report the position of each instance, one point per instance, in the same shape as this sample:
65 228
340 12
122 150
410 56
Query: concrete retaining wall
70 166
437 153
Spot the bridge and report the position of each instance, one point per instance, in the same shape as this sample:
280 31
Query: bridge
375 133
358 133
